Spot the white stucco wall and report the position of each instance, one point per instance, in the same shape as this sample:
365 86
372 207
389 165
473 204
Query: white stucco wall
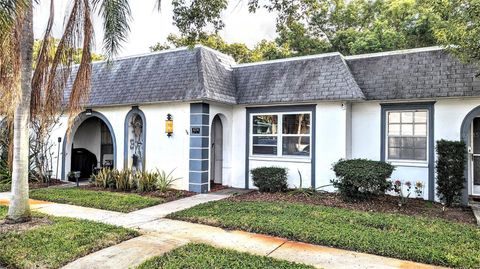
225 112
88 136
366 131
331 145
342 131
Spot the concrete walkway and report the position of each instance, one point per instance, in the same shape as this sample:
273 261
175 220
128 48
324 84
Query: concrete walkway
161 235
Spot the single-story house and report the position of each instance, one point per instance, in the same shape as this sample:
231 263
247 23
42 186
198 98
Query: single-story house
196 111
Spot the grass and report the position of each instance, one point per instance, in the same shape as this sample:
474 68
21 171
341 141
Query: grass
203 256
424 240
114 201
56 241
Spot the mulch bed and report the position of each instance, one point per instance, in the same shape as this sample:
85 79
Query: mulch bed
384 204
24 226
38 185
169 195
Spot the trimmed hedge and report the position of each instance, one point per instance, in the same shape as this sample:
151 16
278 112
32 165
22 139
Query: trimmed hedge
361 178
450 168
270 179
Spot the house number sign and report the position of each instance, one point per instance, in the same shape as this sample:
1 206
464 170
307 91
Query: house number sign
195 130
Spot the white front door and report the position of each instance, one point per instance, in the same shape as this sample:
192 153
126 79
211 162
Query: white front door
475 182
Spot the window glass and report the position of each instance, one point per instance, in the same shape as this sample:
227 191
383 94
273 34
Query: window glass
407 135
296 145
292 140
265 124
265 145
296 124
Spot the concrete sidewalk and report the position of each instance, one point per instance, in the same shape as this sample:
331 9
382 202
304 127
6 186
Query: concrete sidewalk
162 235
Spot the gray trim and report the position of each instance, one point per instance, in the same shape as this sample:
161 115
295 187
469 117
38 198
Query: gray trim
198 142
198 188
273 109
134 110
465 137
431 136
196 108
199 146
198 119
78 121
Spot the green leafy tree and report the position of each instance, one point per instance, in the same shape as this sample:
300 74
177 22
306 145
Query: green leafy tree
458 27
77 55
264 50
36 90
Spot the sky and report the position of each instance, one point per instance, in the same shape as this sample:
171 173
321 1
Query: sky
148 26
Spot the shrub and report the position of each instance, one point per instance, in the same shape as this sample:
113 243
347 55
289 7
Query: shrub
361 178
146 181
124 180
270 179
105 178
164 180
450 167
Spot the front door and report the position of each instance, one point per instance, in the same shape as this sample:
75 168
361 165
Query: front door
217 151
475 183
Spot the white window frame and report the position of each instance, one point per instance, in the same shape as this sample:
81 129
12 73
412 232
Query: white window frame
427 148
280 135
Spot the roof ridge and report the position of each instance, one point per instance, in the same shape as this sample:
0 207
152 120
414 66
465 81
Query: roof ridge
291 59
393 52
352 79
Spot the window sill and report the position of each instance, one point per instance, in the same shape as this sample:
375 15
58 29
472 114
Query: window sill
408 163
280 159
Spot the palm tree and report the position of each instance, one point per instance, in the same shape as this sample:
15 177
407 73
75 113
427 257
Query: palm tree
28 94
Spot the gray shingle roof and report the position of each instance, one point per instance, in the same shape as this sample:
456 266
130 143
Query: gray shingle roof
202 74
324 77
179 75
413 74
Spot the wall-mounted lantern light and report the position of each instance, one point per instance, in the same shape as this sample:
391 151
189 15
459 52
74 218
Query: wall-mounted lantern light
88 112
169 125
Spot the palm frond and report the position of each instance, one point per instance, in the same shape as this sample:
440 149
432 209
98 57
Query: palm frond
116 16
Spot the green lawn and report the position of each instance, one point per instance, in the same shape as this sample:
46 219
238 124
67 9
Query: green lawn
115 201
419 239
203 256
56 243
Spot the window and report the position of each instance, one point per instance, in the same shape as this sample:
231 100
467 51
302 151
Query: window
407 135
292 139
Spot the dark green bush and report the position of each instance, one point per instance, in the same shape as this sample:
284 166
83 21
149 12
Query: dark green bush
450 167
361 178
270 179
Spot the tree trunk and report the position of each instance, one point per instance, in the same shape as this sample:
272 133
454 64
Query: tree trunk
19 210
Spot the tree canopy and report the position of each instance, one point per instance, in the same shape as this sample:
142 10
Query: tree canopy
306 27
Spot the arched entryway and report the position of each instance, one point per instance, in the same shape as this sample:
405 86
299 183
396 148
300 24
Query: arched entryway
216 160
135 138
90 145
470 132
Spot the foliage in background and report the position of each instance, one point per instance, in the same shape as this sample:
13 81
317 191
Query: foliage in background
458 28
361 178
264 50
270 179
451 161
77 55
306 27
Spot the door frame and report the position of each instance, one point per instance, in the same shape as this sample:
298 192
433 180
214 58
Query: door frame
213 142
472 154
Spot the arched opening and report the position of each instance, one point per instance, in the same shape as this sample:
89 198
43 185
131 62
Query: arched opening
135 138
470 132
216 160
91 146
